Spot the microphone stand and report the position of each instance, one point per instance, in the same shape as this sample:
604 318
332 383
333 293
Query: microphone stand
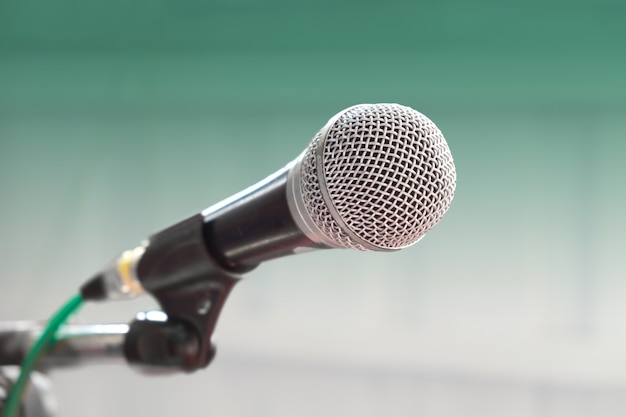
151 342
76 345
191 288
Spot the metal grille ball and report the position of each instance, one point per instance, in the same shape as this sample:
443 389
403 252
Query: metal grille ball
386 177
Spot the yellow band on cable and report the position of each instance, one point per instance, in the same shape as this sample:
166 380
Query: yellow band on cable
124 268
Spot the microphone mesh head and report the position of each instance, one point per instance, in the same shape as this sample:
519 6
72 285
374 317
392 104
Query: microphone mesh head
377 178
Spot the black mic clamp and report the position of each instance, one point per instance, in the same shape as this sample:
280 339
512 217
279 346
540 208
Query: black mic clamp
176 268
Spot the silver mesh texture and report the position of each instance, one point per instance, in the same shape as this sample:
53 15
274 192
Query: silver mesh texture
386 177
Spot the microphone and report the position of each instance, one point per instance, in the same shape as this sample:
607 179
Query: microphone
376 177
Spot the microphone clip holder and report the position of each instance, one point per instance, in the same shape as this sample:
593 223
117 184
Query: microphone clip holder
191 288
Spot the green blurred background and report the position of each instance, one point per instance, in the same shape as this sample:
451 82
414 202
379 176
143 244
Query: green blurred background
119 118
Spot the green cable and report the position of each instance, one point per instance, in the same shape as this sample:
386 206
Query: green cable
43 343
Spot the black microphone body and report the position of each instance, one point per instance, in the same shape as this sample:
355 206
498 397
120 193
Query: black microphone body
254 228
